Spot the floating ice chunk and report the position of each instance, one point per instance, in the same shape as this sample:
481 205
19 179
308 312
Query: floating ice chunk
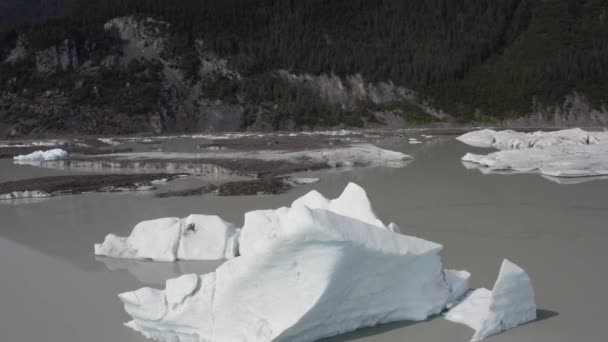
353 202
509 304
301 180
196 237
24 194
303 274
508 139
39 156
556 161
481 138
566 153
109 141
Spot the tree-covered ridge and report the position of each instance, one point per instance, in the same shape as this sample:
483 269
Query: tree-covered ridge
498 58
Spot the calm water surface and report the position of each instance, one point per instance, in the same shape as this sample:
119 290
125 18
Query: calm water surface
53 289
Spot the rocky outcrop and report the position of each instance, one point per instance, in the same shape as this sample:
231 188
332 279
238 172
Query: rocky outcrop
144 37
353 90
60 57
19 52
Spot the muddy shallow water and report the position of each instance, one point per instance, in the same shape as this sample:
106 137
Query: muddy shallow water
55 290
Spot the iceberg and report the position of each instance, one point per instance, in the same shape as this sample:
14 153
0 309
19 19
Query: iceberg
567 153
555 161
40 156
509 139
196 237
509 304
316 269
303 274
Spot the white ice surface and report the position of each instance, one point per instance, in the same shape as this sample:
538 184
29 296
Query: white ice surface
567 153
39 156
196 237
556 161
319 268
509 139
296 281
316 269
353 202
509 304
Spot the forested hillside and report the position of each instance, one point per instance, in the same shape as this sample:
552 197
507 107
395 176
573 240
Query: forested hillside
473 59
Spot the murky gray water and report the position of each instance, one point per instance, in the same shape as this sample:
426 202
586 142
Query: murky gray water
54 290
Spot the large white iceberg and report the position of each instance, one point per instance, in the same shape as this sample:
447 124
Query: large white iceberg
509 139
567 153
303 274
196 237
509 304
316 269
39 156
556 161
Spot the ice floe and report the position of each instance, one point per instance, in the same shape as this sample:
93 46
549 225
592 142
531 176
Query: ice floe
196 237
509 139
568 153
316 269
509 304
39 156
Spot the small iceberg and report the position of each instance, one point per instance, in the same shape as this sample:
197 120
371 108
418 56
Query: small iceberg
40 156
509 304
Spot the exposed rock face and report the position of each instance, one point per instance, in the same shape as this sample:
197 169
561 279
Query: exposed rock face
353 89
350 90
142 37
60 57
19 52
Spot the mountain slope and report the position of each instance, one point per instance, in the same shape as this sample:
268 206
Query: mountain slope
277 64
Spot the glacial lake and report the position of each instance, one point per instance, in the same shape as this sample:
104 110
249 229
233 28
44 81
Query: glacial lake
55 290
